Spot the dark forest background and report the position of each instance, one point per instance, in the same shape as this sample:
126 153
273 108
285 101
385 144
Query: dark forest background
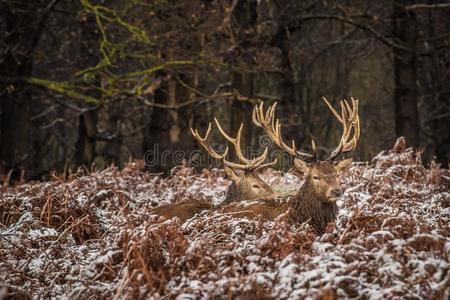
99 82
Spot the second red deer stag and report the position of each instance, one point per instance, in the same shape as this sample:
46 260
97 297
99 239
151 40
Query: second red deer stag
246 185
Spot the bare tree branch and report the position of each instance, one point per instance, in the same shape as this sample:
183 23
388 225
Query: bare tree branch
391 43
184 104
428 6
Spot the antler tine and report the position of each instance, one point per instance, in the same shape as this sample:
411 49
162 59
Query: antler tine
354 123
253 165
235 141
203 142
350 145
272 128
247 164
313 145
269 164
332 109
349 119
258 164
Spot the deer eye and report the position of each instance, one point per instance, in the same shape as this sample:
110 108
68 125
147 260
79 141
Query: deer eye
255 186
316 177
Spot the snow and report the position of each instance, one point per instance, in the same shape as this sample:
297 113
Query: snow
96 238
36 234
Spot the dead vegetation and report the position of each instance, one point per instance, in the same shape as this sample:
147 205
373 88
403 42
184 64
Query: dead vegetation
91 236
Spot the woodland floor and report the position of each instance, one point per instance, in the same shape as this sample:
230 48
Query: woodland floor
92 236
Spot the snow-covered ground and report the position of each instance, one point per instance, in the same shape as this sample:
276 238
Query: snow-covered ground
92 236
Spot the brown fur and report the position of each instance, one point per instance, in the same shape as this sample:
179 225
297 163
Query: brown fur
313 203
183 211
268 210
247 186
316 199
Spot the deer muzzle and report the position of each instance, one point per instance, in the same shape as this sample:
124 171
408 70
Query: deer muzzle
334 193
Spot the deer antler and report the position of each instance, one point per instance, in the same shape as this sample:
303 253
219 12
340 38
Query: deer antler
206 145
235 141
272 128
349 119
247 164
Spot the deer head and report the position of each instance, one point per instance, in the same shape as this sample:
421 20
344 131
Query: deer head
322 176
247 185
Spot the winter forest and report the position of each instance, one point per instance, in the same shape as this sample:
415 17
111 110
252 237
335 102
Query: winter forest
224 149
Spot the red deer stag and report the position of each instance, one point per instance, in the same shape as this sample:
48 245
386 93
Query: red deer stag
247 185
315 201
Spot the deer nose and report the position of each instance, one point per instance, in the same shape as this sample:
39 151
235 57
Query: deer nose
336 192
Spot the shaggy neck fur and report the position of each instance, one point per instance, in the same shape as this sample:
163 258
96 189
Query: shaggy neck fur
232 193
309 206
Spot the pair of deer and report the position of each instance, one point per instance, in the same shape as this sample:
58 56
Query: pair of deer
315 200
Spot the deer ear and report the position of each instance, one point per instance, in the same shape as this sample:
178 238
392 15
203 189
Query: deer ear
300 165
344 164
231 174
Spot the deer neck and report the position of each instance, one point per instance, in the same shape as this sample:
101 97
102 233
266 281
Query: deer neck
309 206
308 193
232 194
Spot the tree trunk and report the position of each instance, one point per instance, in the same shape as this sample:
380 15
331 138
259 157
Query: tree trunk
241 111
85 148
168 141
405 64
439 79
242 81
15 95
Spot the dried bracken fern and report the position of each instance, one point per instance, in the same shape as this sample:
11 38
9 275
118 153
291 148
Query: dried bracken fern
91 235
